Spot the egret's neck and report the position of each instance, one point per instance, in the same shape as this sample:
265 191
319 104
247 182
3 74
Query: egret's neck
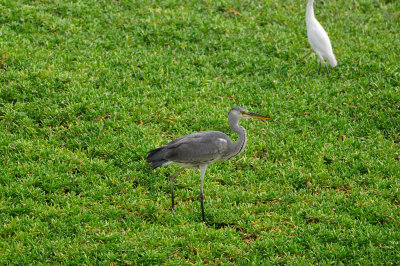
310 11
239 145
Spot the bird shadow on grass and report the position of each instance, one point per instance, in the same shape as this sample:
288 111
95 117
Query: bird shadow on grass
220 225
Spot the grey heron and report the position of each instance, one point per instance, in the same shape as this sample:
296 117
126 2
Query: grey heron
318 38
198 150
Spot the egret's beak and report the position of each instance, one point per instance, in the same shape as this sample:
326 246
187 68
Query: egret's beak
250 114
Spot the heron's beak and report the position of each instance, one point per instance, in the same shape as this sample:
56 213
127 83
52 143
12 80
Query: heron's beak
250 114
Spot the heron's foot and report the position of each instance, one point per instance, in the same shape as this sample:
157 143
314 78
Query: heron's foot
172 209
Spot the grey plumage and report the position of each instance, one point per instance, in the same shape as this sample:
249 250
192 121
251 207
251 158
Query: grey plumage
198 150
191 150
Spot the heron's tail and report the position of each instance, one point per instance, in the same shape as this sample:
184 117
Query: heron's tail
156 157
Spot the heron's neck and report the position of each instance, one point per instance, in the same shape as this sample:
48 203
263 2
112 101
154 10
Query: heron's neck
238 146
310 11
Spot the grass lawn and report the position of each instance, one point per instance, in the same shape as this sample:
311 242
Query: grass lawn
88 87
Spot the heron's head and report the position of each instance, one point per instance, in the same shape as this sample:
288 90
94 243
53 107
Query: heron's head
241 113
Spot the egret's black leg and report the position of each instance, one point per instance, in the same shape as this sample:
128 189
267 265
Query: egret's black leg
319 66
203 169
172 188
326 66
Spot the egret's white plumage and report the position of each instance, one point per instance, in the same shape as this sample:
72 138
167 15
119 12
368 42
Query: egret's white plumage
318 38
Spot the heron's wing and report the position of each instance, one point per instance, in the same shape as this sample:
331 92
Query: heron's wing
198 148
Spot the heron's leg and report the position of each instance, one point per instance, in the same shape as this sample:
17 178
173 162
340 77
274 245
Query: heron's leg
319 66
326 66
172 187
203 169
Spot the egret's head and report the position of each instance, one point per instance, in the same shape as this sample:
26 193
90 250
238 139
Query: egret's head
241 113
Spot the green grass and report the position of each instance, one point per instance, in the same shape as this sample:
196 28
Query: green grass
87 88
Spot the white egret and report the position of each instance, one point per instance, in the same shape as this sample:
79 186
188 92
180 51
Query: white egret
318 38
